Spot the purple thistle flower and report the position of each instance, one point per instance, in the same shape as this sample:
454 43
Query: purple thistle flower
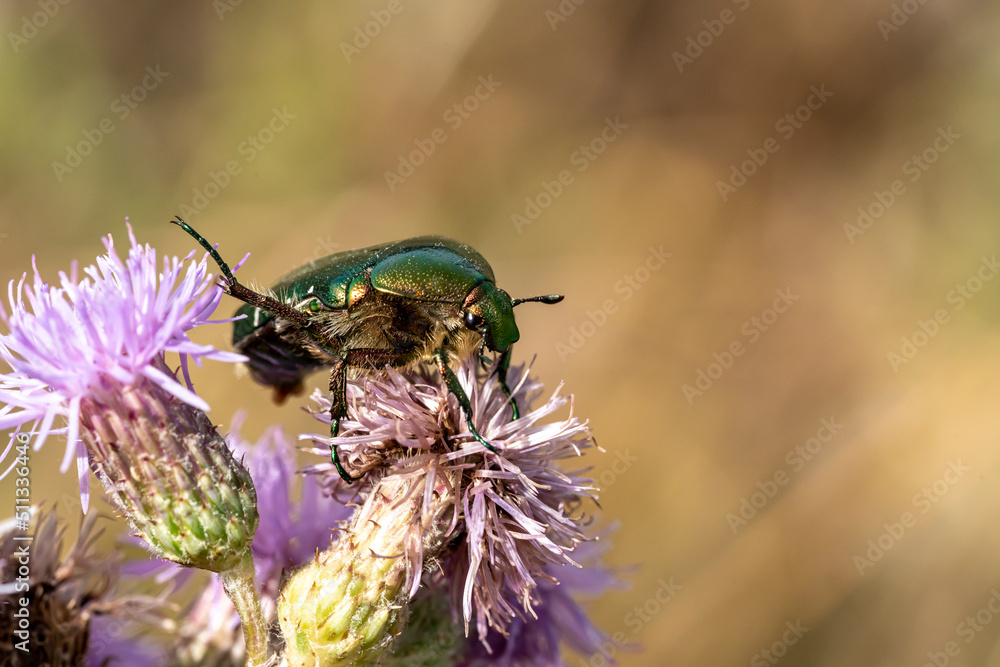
210 633
89 337
431 636
93 352
559 618
112 645
516 513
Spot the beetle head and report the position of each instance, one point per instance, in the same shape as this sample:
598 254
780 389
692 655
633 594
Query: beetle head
490 311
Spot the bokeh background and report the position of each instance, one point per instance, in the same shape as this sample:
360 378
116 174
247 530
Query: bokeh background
887 353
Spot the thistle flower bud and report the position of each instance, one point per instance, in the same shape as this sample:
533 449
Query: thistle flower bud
170 473
92 350
345 607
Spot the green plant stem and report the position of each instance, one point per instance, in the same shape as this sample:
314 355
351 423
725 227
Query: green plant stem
241 587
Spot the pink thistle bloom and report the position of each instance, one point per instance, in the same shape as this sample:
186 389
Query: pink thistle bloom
515 516
87 337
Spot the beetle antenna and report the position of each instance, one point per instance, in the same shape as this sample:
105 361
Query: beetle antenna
239 291
548 298
179 221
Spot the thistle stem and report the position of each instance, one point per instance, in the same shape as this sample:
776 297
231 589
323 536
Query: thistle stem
241 587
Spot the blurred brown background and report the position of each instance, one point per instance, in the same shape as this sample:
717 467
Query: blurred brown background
758 211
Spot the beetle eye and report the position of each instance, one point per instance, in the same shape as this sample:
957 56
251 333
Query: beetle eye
473 321
311 306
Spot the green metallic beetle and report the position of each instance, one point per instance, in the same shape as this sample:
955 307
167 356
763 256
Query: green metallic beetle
423 299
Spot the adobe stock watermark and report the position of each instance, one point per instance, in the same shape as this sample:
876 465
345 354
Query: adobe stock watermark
913 168
797 458
121 107
923 501
30 25
776 651
22 555
580 159
625 288
622 463
957 297
249 149
455 116
786 127
751 330
967 631
698 42
900 14
371 29
223 7
562 12
324 246
635 620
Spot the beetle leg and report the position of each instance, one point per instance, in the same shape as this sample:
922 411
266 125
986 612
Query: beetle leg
338 410
338 388
451 380
502 366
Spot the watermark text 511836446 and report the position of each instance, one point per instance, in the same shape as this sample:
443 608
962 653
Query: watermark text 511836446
19 581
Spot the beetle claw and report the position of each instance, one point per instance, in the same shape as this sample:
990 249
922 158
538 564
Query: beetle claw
483 441
334 456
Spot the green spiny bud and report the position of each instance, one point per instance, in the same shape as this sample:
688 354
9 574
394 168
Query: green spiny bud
171 474
348 605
